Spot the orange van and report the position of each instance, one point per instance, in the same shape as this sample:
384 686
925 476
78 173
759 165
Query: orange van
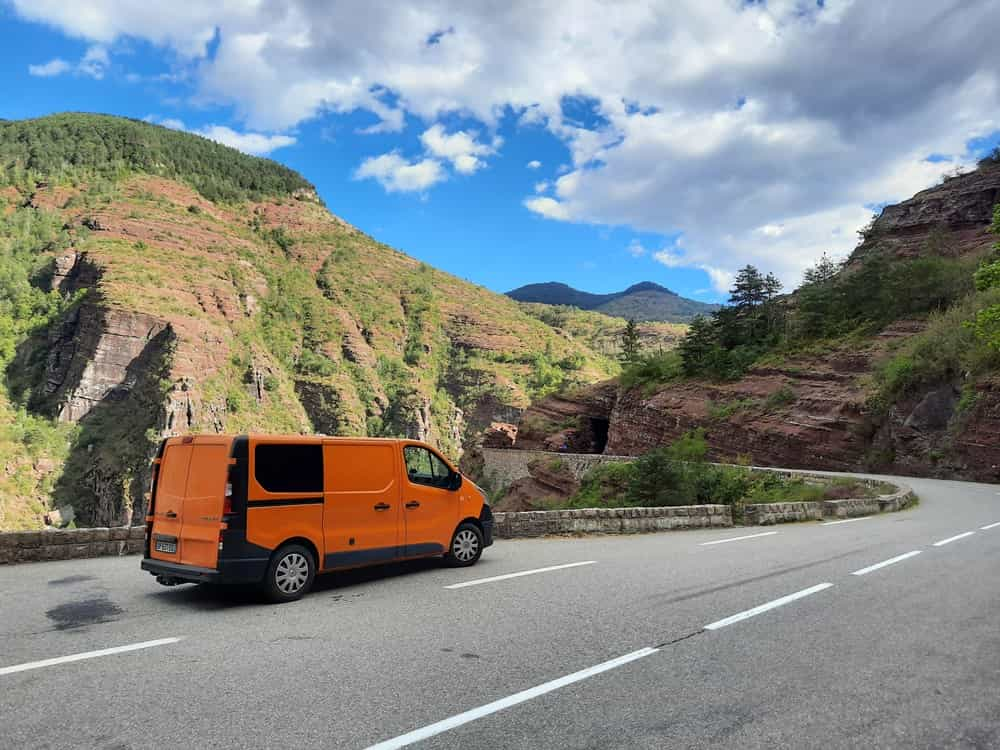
277 510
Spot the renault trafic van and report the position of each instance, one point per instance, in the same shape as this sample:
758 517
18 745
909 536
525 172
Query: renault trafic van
275 511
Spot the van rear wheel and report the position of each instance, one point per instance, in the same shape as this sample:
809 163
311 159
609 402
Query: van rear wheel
290 574
466 546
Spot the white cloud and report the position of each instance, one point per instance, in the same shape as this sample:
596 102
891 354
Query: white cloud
256 144
54 67
714 118
460 148
397 175
94 63
534 164
636 250
541 187
549 208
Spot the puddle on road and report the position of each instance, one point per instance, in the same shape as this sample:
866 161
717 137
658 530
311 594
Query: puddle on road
85 612
70 579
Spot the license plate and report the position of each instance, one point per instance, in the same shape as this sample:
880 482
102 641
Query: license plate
169 547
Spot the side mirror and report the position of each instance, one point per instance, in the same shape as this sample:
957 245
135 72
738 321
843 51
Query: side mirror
454 481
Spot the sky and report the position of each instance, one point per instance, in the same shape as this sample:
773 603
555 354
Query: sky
598 144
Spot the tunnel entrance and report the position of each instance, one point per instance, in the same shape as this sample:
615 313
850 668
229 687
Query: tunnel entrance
599 434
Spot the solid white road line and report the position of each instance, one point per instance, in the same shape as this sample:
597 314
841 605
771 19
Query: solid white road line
953 538
884 563
518 575
992 525
85 655
846 520
512 700
765 607
737 538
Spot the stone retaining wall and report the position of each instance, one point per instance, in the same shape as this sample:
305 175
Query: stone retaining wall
65 544
611 520
851 508
764 514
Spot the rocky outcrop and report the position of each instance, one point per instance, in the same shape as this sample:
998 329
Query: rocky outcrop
950 219
576 421
89 356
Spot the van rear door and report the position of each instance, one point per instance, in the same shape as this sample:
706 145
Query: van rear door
189 502
168 504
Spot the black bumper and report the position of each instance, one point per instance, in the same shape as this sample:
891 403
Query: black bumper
486 521
250 570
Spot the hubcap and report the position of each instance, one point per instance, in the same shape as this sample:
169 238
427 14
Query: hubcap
465 546
291 573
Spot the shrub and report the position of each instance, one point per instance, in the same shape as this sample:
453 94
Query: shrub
652 370
781 397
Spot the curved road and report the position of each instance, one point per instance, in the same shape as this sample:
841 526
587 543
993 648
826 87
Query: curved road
796 637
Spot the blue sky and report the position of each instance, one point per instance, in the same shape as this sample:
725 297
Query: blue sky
502 148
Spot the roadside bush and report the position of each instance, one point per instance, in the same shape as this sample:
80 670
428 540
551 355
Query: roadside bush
605 485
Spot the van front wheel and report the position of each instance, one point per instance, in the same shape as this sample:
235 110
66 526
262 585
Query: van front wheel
466 546
290 574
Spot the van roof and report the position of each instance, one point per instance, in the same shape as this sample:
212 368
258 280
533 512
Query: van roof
215 437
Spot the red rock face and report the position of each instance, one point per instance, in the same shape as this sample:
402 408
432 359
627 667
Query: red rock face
811 411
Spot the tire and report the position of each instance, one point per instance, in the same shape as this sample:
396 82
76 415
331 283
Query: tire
466 546
290 574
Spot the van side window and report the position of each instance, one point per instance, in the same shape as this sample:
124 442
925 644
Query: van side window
289 467
423 467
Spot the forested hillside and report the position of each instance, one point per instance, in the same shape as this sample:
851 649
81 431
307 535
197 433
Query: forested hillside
153 282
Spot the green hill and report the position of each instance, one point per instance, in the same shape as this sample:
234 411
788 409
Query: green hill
153 282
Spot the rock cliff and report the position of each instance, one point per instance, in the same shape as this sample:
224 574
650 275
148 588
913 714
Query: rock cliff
814 411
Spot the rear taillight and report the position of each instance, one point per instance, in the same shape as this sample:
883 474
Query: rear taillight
220 540
227 502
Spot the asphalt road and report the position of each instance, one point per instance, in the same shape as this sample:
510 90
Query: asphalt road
906 655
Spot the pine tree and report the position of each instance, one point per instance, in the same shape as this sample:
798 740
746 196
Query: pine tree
630 343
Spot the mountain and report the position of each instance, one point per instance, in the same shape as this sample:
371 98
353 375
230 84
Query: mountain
153 282
890 364
643 301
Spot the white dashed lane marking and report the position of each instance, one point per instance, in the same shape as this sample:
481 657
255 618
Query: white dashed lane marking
491 579
955 538
738 538
85 655
768 606
886 563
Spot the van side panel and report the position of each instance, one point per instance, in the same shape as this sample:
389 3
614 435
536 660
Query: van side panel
203 503
362 515
169 501
275 517
269 527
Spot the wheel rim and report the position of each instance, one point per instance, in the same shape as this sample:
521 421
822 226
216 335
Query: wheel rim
465 546
291 573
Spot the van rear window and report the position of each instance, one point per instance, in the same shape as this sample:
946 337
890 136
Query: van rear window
289 467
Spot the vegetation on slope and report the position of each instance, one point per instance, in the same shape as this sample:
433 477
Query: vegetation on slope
837 302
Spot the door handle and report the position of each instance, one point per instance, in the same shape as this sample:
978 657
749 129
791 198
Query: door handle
413 504
170 514
382 506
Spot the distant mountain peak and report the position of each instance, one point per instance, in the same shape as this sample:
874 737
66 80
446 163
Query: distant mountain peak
649 286
645 300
